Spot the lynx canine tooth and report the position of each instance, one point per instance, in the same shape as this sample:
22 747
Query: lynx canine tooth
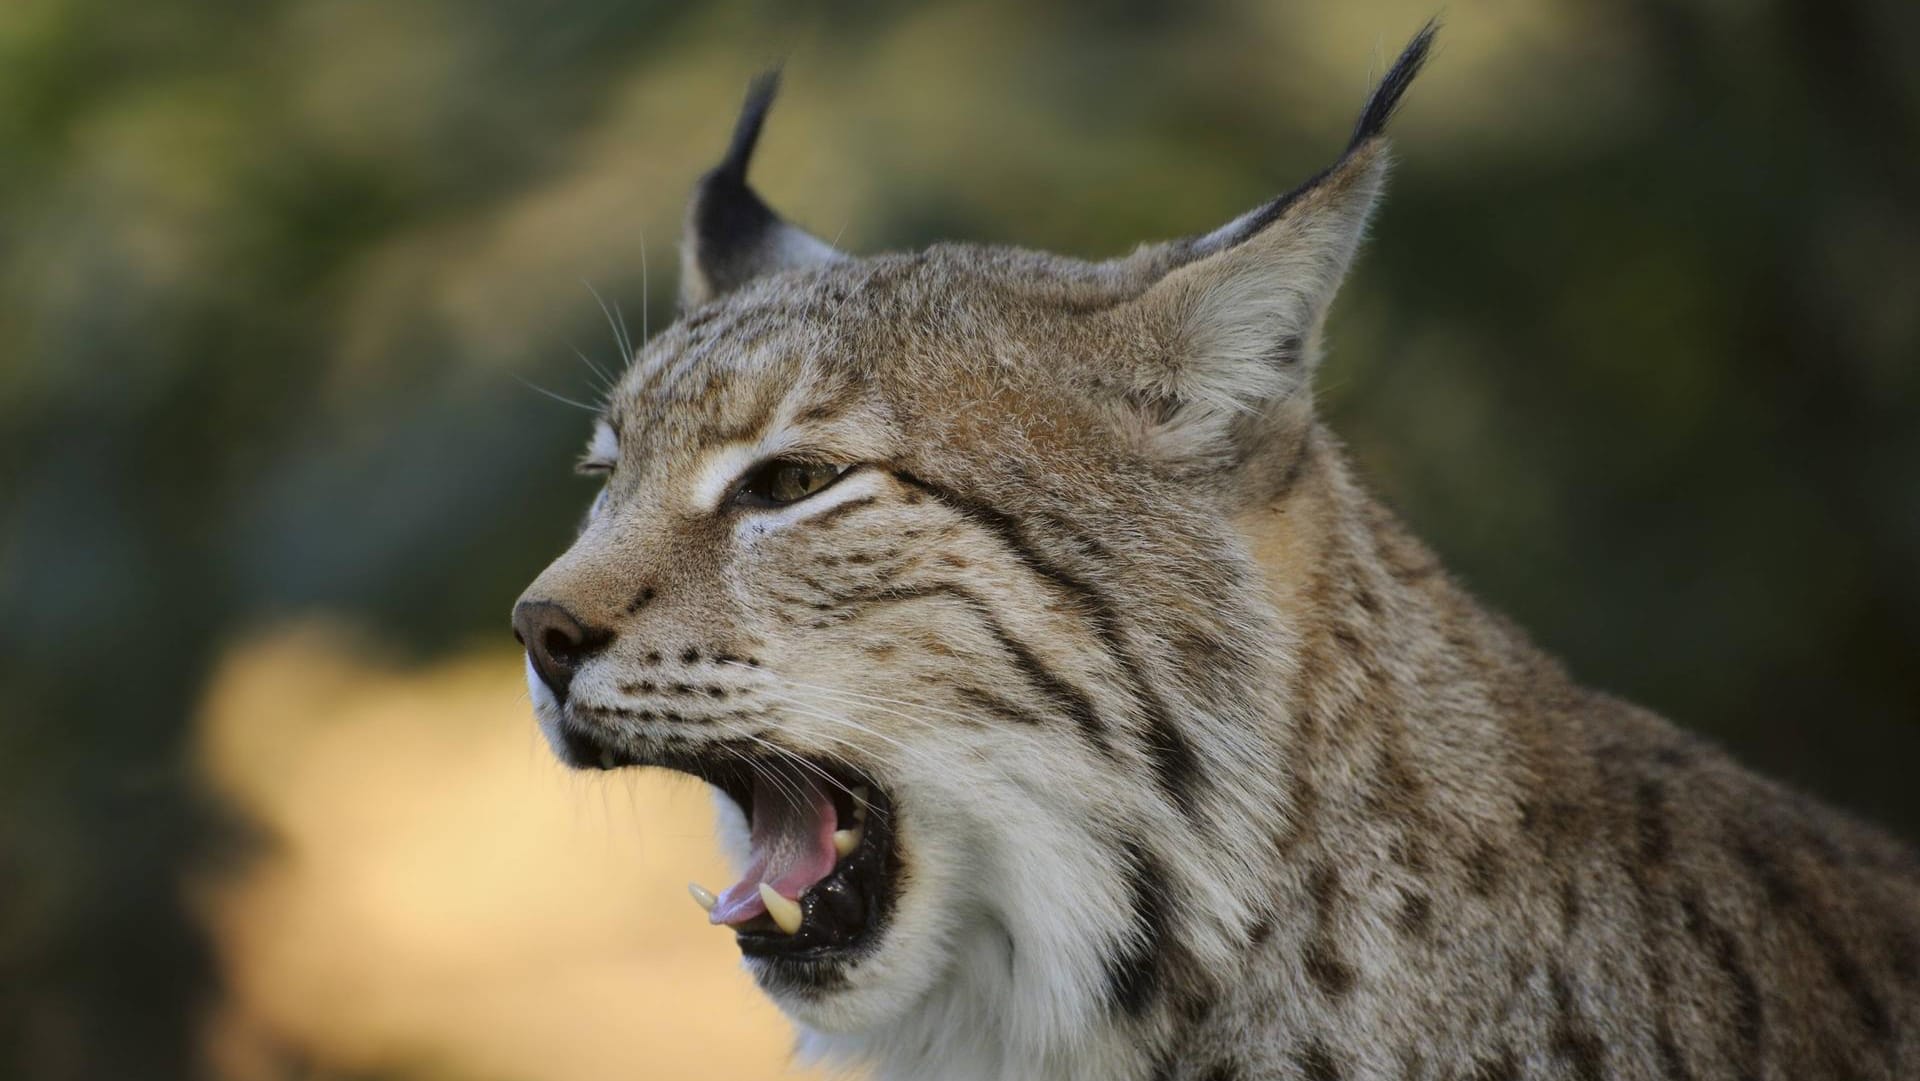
861 793
702 896
845 841
785 913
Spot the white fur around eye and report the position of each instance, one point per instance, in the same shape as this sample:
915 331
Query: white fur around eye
604 447
721 470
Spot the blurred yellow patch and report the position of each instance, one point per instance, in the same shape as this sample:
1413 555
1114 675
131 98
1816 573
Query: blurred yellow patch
441 894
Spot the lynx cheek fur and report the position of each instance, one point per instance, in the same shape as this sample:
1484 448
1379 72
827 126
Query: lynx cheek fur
1075 715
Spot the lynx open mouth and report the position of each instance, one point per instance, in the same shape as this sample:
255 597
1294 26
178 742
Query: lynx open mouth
821 868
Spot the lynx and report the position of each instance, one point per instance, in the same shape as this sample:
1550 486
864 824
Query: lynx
1074 713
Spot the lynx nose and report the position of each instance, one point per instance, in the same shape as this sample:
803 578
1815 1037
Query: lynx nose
557 642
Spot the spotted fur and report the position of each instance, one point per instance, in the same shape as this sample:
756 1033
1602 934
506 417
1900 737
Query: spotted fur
1202 767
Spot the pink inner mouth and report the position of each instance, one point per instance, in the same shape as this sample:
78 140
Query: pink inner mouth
793 821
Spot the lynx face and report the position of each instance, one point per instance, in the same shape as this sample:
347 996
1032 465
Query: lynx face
928 564
791 588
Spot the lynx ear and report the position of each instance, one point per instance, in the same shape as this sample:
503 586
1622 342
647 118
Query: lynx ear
731 236
1237 319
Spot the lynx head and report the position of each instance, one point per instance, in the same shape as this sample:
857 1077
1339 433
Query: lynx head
928 564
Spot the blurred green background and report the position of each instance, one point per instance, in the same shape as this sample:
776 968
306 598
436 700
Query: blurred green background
1635 345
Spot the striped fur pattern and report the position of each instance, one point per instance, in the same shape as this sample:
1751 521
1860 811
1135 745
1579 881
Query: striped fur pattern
1203 768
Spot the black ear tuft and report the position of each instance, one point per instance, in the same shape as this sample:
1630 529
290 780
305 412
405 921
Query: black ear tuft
730 221
1380 106
732 236
746 130
1386 96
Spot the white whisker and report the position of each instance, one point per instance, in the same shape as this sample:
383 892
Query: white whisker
620 340
844 721
606 381
561 398
646 291
875 699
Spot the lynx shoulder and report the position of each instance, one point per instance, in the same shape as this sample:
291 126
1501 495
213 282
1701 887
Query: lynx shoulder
1074 714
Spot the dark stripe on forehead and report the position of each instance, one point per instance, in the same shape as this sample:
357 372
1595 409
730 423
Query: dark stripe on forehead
737 335
1176 768
820 411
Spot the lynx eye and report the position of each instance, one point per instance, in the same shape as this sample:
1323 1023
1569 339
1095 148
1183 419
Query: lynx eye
786 480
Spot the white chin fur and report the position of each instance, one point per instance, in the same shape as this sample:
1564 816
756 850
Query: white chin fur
945 995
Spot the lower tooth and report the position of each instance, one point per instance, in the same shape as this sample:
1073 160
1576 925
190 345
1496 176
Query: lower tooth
845 841
785 913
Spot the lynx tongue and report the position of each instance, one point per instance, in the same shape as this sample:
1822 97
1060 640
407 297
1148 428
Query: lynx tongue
792 845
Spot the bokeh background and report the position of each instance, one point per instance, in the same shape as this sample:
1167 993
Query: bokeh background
289 288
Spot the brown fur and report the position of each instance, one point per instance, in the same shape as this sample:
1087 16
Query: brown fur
1569 886
1204 768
